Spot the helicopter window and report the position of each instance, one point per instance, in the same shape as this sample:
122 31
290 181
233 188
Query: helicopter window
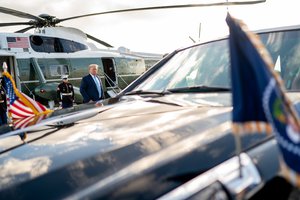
26 70
79 46
64 69
57 45
54 68
58 70
49 45
130 66
36 43
80 65
71 46
67 45
36 40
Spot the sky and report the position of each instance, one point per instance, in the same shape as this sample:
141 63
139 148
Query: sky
155 31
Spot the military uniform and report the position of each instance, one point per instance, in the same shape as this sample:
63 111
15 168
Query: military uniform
65 94
3 105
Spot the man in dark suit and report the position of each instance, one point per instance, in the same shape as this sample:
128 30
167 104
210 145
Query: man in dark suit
91 87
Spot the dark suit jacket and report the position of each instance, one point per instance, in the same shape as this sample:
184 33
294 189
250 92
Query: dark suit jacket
3 106
88 89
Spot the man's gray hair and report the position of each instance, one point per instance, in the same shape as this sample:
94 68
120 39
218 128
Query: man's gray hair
93 65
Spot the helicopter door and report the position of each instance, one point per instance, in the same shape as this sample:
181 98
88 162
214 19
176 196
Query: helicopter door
109 72
10 62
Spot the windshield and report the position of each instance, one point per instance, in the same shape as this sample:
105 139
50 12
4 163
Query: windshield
208 64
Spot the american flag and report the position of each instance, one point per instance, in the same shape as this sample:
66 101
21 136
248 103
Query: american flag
20 105
17 42
28 121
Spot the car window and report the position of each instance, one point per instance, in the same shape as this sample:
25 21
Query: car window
284 48
192 67
208 64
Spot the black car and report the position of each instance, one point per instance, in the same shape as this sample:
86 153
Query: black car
166 136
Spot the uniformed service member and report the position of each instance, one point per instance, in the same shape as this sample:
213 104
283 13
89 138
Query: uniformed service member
65 92
3 105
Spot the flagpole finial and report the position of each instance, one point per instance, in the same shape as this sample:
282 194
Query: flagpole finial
227 6
4 66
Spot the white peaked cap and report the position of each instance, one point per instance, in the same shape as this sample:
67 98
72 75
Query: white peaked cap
4 66
64 76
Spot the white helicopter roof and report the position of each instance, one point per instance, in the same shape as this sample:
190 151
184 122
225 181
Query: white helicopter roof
62 32
19 45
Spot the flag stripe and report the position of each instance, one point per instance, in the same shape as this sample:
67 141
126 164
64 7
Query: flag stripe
28 121
36 104
16 114
18 105
251 127
23 122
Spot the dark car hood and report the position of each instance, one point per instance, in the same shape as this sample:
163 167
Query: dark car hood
119 136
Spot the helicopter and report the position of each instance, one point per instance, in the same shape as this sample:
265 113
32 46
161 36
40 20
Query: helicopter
37 60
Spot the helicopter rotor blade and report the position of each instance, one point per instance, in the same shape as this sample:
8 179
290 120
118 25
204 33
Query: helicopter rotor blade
24 29
97 40
39 21
167 7
19 14
15 24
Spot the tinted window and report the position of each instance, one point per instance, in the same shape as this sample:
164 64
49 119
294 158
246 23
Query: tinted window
55 45
26 70
58 70
201 65
80 66
284 48
208 64
71 46
130 66
54 68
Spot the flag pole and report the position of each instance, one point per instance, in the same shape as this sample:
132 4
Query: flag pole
239 151
236 132
237 136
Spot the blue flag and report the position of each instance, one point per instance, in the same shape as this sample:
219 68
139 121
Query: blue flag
259 103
